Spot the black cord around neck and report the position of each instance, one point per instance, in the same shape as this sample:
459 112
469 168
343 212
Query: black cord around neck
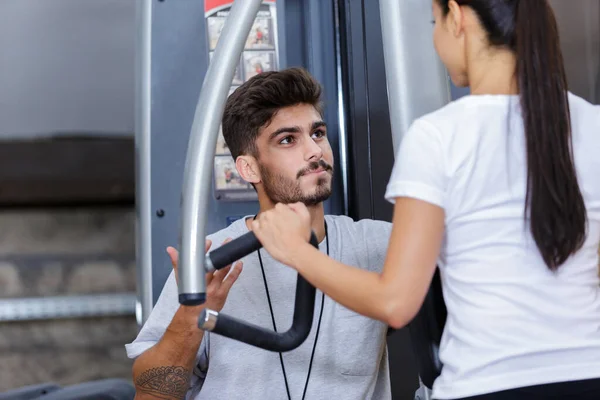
287 387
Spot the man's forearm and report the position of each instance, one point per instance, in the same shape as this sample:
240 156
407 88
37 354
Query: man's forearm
164 371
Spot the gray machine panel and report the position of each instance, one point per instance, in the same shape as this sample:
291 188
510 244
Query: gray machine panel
179 60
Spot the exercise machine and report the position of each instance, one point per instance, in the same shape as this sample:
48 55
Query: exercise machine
357 50
405 102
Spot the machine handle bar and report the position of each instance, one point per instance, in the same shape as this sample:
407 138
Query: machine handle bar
253 334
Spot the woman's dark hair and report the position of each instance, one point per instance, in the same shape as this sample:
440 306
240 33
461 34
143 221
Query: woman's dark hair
554 200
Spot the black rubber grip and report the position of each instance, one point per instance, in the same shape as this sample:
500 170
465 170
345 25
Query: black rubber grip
234 250
192 299
254 335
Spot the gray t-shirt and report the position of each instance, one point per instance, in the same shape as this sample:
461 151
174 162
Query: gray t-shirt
351 358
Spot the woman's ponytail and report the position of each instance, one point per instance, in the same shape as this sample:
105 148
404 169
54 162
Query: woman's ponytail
554 201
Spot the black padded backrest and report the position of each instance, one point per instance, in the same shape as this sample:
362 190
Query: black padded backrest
426 332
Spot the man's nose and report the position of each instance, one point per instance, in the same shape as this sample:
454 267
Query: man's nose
314 152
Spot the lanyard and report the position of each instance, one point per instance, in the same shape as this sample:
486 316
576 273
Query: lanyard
287 387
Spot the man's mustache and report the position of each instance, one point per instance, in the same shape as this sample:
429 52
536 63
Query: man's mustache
313 166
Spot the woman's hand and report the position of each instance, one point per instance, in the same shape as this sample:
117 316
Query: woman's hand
283 230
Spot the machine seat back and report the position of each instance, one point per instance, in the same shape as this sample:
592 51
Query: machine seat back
426 332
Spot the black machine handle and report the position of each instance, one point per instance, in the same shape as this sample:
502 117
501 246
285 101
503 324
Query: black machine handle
254 335
231 252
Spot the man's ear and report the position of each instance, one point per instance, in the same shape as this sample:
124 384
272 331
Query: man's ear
247 167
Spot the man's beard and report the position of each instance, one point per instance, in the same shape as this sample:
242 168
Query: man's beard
280 189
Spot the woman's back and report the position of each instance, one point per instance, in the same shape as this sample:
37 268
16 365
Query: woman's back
511 320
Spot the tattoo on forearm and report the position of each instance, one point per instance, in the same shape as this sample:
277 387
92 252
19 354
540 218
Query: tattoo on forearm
164 382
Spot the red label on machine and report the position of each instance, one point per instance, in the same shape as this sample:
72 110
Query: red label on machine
212 6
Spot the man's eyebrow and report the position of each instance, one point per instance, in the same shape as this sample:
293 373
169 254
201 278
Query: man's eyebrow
296 129
318 124
285 129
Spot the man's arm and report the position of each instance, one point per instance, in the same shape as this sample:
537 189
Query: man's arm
164 371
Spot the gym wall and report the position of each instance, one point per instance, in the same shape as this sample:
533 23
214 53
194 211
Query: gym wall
66 189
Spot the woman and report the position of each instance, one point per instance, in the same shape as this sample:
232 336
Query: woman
501 189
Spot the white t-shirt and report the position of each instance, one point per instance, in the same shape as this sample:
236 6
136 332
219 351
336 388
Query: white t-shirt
511 321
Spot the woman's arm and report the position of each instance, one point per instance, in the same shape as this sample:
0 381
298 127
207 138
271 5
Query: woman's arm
394 296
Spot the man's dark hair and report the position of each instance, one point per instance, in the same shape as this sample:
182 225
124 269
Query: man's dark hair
255 103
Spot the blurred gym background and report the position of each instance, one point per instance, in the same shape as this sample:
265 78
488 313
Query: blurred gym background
67 214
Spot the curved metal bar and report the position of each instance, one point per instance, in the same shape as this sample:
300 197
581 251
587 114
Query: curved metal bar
417 84
201 149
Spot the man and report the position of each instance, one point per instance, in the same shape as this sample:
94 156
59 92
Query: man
274 127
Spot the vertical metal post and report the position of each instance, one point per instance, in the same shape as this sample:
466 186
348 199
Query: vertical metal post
417 82
416 79
142 153
201 149
343 143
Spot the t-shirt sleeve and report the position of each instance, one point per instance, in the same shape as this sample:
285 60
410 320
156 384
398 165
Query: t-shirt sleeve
419 170
160 317
375 237
156 325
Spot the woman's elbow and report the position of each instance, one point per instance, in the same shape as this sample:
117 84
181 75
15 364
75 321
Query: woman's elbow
396 321
399 313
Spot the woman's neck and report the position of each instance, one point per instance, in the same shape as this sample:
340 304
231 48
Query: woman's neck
492 72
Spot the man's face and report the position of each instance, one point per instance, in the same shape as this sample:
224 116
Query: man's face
295 160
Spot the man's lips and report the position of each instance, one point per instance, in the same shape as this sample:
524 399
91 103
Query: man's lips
316 171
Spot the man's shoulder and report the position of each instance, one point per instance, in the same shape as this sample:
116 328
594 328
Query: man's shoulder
363 226
236 229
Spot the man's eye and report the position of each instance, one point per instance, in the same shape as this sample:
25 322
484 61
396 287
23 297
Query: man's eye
286 140
319 133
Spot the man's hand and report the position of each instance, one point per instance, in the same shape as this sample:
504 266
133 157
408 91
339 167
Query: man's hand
218 283
164 370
